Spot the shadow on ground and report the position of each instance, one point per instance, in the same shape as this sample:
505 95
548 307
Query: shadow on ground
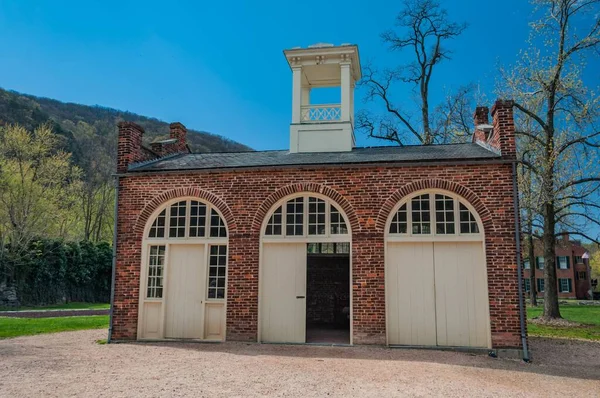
553 357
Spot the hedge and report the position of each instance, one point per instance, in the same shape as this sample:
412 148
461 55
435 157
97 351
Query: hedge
53 271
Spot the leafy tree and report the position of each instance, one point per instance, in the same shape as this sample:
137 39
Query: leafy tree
423 29
595 263
36 183
558 115
96 195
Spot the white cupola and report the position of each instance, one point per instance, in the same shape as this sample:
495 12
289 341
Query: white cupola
323 127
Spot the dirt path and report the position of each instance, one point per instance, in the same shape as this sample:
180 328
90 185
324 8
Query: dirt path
72 364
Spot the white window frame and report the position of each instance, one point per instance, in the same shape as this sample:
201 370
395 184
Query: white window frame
540 265
558 260
526 263
542 283
560 285
327 237
206 240
188 200
457 236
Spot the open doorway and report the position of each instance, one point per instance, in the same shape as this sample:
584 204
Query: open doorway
328 293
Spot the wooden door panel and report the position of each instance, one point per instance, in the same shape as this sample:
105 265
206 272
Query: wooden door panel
461 294
186 292
409 286
283 293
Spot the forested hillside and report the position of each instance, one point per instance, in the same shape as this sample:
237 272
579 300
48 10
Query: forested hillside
70 120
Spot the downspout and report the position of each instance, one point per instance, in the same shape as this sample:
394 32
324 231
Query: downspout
114 261
519 271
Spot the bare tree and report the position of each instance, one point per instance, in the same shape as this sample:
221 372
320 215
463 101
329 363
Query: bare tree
529 205
424 29
551 97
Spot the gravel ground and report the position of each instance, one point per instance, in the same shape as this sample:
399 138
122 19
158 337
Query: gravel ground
73 364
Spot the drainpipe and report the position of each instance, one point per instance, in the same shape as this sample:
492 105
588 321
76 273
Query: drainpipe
114 261
519 271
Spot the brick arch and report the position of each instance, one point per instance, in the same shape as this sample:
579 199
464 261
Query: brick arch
467 194
194 192
305 187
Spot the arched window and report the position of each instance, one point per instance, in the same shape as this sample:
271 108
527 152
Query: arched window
433 214
184 272
188 219
306 216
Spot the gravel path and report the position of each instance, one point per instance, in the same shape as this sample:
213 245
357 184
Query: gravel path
72 364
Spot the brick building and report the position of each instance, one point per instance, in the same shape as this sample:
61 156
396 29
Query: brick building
573 273
324 242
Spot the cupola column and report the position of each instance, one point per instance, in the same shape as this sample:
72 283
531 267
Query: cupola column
296 93
346 90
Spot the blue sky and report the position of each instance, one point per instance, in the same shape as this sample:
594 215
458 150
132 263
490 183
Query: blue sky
218 66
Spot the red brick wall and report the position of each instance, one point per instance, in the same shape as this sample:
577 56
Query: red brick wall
366 194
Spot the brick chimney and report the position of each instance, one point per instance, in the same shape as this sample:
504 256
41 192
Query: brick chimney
481 117
179 132
503 135
129 147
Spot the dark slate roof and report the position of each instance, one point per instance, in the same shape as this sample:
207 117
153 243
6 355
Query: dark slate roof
385 154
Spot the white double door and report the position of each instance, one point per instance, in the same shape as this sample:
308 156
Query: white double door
437 294
283 293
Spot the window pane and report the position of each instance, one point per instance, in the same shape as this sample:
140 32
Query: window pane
274 224
540 262
468 223
177 220
399 223
337 222
156 261
444 215
294 216
562 262
316 216
217 226
312 248
217 272
197 219
157 230
343 247
421 216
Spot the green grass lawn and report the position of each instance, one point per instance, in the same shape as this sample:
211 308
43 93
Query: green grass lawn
67 306
13 327
588 316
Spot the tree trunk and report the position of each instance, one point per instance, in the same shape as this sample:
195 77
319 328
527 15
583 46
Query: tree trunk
551 310
532 268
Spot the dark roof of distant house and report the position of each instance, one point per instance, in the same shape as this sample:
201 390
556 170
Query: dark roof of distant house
384 154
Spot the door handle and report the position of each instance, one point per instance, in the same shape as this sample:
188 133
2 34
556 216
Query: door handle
300 297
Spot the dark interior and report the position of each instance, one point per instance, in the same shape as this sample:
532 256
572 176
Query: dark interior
328 298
